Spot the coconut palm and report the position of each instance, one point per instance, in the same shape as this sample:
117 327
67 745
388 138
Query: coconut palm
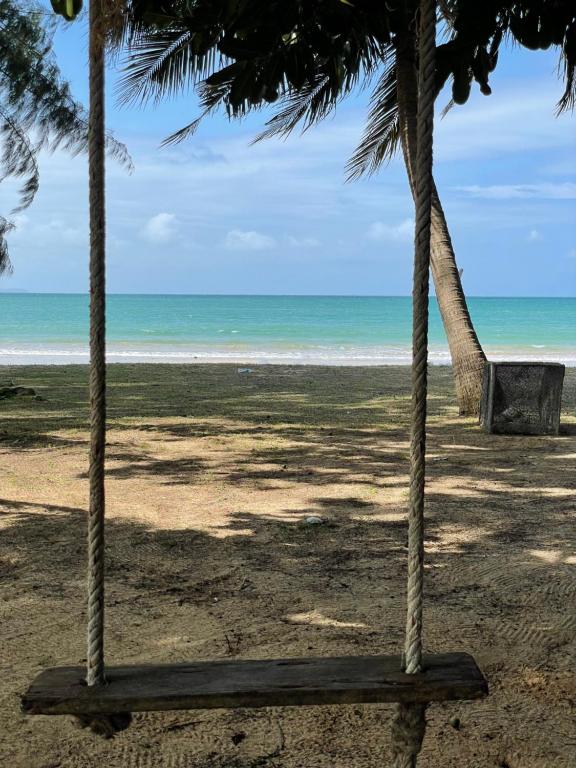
37 110
245 54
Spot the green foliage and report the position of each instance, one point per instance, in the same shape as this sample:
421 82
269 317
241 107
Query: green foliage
381 135
254 51
479 28
37 110
243 54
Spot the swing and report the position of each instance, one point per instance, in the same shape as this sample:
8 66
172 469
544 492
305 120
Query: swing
103 697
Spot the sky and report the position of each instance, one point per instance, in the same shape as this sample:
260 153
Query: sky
218 215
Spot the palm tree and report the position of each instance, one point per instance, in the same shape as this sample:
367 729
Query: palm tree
468 358
37 110
312 56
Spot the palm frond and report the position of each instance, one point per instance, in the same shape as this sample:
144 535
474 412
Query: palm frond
568 100
312 103
447 108
183 133
163 63
213 93
448 11
381 136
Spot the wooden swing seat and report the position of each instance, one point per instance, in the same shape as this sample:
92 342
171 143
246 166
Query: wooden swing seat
269 683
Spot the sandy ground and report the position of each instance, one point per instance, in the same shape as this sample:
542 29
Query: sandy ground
211 473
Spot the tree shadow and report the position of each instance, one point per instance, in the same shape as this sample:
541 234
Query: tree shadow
500 546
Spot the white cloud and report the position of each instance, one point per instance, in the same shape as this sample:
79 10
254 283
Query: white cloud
303 242
534 235
53 232
20 220
291 193
514 119
57 231
565 191
248 240
21 225
160 228
402 232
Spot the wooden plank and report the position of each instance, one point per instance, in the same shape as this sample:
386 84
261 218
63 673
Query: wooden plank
274 682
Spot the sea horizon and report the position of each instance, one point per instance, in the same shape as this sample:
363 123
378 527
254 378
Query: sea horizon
52 328
271 295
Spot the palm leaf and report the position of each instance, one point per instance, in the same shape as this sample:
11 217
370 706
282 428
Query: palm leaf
381 136
183 133
163 63
312 103
568 100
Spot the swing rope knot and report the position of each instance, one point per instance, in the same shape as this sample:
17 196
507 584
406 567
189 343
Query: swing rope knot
408 729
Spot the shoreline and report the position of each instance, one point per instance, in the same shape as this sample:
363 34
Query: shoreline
436 358
247 354
329 331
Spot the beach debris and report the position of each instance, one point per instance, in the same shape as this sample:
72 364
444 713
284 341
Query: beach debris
313 520
244 370
455 723
6 392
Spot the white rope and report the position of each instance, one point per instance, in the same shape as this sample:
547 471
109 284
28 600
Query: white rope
410 723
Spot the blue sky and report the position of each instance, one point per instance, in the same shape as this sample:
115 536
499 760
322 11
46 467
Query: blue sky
216 215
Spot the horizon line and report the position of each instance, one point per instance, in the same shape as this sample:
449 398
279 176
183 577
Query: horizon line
16 291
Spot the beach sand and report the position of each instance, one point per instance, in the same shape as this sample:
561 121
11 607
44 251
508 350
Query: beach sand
210 475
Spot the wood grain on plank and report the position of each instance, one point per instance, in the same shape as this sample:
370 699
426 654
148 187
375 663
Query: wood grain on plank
246 683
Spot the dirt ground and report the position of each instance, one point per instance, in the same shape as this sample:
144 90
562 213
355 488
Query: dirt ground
211 473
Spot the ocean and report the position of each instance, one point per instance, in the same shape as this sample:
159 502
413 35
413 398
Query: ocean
326 330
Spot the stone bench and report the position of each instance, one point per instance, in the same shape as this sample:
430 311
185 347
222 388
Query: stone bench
522 398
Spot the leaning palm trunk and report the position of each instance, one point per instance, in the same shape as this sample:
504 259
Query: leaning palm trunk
467 355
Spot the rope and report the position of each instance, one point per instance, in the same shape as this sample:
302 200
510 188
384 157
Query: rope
424 189
410 724
96 145
408 729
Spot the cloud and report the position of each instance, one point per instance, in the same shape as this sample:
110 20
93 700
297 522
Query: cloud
403 232
248 240
277 198
303 242
514 119
57 231
160 228
51 232
21 224
534 235
565 191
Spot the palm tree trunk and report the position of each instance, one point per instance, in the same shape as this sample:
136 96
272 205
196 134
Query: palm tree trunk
468 358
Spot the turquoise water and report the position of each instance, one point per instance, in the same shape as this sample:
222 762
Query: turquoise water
317 329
